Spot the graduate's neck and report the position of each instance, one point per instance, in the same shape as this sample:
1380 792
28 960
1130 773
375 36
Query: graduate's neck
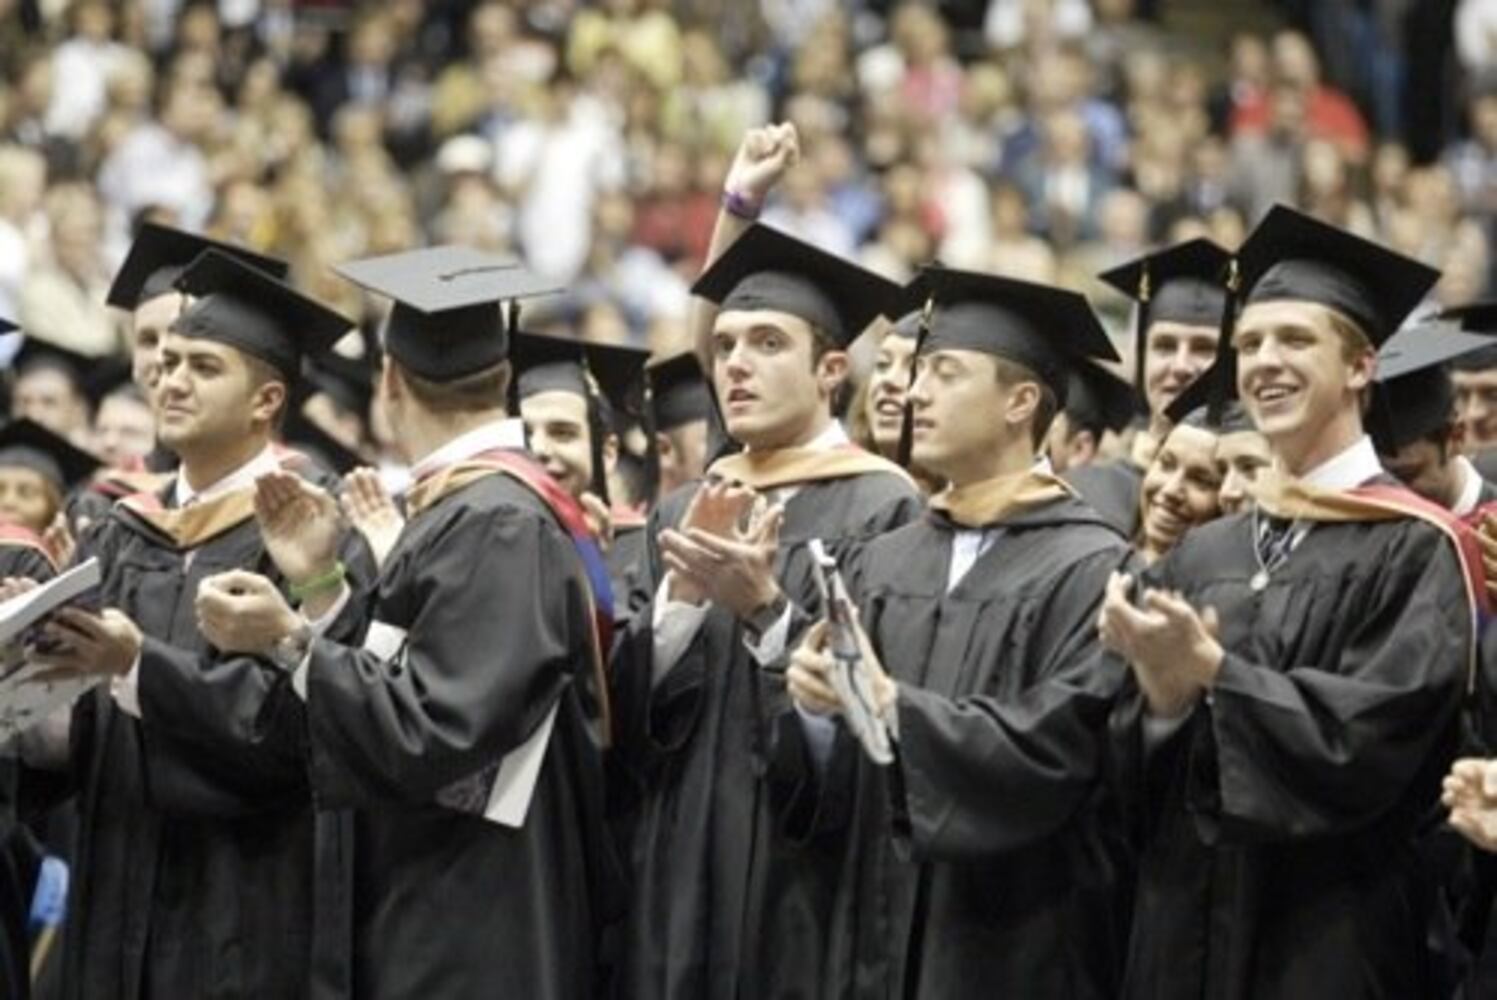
1300 453
424 433
790 437
1005 458
215 462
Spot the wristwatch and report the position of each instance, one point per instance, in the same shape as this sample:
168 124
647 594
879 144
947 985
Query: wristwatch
763 618
292 648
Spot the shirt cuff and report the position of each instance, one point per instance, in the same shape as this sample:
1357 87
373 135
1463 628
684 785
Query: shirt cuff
675 624
321 624
299 675
820 732
126 690
1158 730
771 644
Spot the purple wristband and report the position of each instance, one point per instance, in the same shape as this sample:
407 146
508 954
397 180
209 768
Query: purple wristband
742 206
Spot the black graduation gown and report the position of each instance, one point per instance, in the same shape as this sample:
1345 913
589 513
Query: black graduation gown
983 861
723 903
20 854
626 571
418 899
193 864
1113 490
1282 821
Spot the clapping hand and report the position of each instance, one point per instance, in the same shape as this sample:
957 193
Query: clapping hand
372 512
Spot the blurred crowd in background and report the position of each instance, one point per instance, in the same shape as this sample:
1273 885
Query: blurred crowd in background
1044 139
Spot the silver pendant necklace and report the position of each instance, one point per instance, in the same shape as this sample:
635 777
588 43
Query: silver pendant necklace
1277 554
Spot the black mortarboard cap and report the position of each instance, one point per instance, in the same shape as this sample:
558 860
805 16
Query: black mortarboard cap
249 310
447 321
679 393
1293 257
6 326
1046 329
1099 401
766 269
303 435
1476 317
159 255
28 444
1414 394
348 381
1191 406
1184 283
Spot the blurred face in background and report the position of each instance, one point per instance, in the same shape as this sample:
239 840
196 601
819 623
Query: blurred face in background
887 384
1243 455
1174 354
1476 407
124 430
150 321
27 498
50 397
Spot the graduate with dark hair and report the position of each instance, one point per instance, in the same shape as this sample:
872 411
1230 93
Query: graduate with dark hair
982 859
453 751
193 862
723 904
1179 295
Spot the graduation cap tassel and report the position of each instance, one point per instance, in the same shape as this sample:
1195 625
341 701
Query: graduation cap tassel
652 445
1141 328
1225 367
907 424
512 317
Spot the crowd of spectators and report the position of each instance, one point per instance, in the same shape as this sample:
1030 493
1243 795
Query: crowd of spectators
1045 139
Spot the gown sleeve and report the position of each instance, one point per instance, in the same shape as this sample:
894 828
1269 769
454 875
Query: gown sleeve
499 627
977 775
1290 751
223 734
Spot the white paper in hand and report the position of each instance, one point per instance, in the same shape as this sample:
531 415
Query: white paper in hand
24 700
850 678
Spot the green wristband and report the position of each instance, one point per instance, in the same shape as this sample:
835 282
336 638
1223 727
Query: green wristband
329 581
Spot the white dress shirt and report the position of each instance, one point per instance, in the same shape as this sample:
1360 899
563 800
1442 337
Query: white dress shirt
1471 484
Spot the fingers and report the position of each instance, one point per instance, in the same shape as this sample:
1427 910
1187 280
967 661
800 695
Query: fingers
237 582
14 586
1470 825
78 622
810 690
275 489
599 517
1212 622
1489 779
765 531
814 639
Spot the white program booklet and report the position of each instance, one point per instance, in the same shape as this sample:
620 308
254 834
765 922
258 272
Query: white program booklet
25 700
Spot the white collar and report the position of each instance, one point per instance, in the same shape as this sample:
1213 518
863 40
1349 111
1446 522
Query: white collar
1470 487
834 436
241 478
1042 464
1349 469
506 433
